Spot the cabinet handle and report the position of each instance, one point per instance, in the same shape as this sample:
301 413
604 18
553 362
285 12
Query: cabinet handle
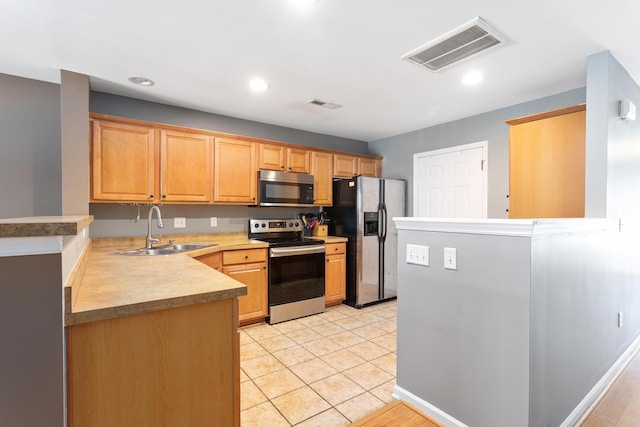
164 196
151 196
246 257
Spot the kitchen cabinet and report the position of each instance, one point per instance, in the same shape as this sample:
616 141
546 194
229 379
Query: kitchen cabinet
213 260
271 157
235 172
322 171
156 368
298 160
344 166
124 162
249 266
369 167
335 273
547 164
282 158
186 160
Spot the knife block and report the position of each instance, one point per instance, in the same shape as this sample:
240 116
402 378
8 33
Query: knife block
319 230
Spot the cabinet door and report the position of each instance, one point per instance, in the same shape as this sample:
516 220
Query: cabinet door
235 172
322 170
271 157
124 162
335 274
253 306
547 165
369 167
344 166
187 166
298 160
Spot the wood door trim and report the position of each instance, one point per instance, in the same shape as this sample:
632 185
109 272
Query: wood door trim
546 114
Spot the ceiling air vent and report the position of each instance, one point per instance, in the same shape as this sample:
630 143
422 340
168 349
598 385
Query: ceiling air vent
463 42
329 105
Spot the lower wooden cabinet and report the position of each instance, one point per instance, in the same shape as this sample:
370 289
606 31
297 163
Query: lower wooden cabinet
335 273
156 368
249 266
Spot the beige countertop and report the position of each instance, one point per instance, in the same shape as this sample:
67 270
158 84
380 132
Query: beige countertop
330 239
42 226
107 285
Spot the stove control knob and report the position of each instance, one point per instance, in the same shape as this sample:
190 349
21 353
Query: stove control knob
297 224
264 225
290 224
256 225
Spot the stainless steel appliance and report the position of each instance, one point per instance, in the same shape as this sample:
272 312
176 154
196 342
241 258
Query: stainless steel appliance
285 189
296 268
362 211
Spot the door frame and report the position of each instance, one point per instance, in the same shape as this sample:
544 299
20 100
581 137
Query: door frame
484 145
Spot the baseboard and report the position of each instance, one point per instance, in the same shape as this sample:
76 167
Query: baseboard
584 408
426 407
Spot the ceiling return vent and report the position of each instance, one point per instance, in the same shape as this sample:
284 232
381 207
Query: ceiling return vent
469 39
329 105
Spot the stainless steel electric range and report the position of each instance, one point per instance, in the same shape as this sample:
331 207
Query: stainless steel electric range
296 268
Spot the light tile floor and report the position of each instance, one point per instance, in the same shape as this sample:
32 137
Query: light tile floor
620 406
325 370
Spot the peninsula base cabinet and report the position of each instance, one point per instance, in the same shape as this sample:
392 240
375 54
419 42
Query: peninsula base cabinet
249 266
335 273
156 368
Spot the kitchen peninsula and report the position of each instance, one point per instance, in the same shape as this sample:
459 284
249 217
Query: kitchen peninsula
153 340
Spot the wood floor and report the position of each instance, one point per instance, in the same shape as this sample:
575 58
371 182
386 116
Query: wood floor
620 406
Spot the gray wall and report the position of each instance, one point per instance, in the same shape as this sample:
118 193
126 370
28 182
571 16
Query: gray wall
144 110
74 106
30 147
398 150
463 342
119 220
31 359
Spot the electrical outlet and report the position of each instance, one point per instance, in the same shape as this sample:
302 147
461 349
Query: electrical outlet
179 222
214 221
450 259
619 319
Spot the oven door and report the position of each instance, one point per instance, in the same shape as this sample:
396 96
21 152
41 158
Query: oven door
296 273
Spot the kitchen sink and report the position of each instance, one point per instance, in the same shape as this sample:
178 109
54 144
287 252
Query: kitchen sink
165 250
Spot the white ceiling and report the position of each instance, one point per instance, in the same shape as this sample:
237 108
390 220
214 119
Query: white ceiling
201 54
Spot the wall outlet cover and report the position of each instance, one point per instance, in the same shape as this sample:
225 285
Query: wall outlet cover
450 259
214 221
179 222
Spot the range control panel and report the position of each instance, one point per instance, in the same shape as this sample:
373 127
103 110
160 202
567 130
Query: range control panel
274 225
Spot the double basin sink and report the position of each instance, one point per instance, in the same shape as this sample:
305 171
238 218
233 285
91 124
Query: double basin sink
165 250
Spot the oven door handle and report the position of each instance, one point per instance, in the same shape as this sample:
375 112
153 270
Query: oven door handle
296 250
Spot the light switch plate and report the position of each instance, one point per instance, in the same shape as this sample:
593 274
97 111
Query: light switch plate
179 222
417 254
214 221
450 259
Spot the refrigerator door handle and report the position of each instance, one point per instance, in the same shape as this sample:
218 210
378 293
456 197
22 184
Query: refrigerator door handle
380 223
384 223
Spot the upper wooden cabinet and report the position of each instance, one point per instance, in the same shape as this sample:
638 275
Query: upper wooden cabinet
281 158
547 164
369 167
124 162
235 173
345 166
322 171
298 160
187 166
271 157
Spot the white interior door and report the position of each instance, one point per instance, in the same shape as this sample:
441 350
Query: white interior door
451 183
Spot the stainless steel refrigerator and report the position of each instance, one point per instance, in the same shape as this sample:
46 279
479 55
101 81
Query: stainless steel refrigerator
362 211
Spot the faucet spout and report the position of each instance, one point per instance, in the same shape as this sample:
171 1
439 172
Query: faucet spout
150 240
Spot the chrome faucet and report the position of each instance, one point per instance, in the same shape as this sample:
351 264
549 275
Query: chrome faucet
151 240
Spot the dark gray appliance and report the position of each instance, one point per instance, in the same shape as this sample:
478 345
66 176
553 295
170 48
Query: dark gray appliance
362 211
296 268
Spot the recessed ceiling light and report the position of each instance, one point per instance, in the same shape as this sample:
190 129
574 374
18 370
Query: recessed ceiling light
302 2
258 85
142 81
472 78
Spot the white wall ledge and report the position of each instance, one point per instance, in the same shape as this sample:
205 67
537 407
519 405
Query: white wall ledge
502 227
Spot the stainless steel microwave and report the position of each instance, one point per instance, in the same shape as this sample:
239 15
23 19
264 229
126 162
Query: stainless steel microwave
285 189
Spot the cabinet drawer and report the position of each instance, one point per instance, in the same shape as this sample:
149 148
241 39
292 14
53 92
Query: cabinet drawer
244 256
335 248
